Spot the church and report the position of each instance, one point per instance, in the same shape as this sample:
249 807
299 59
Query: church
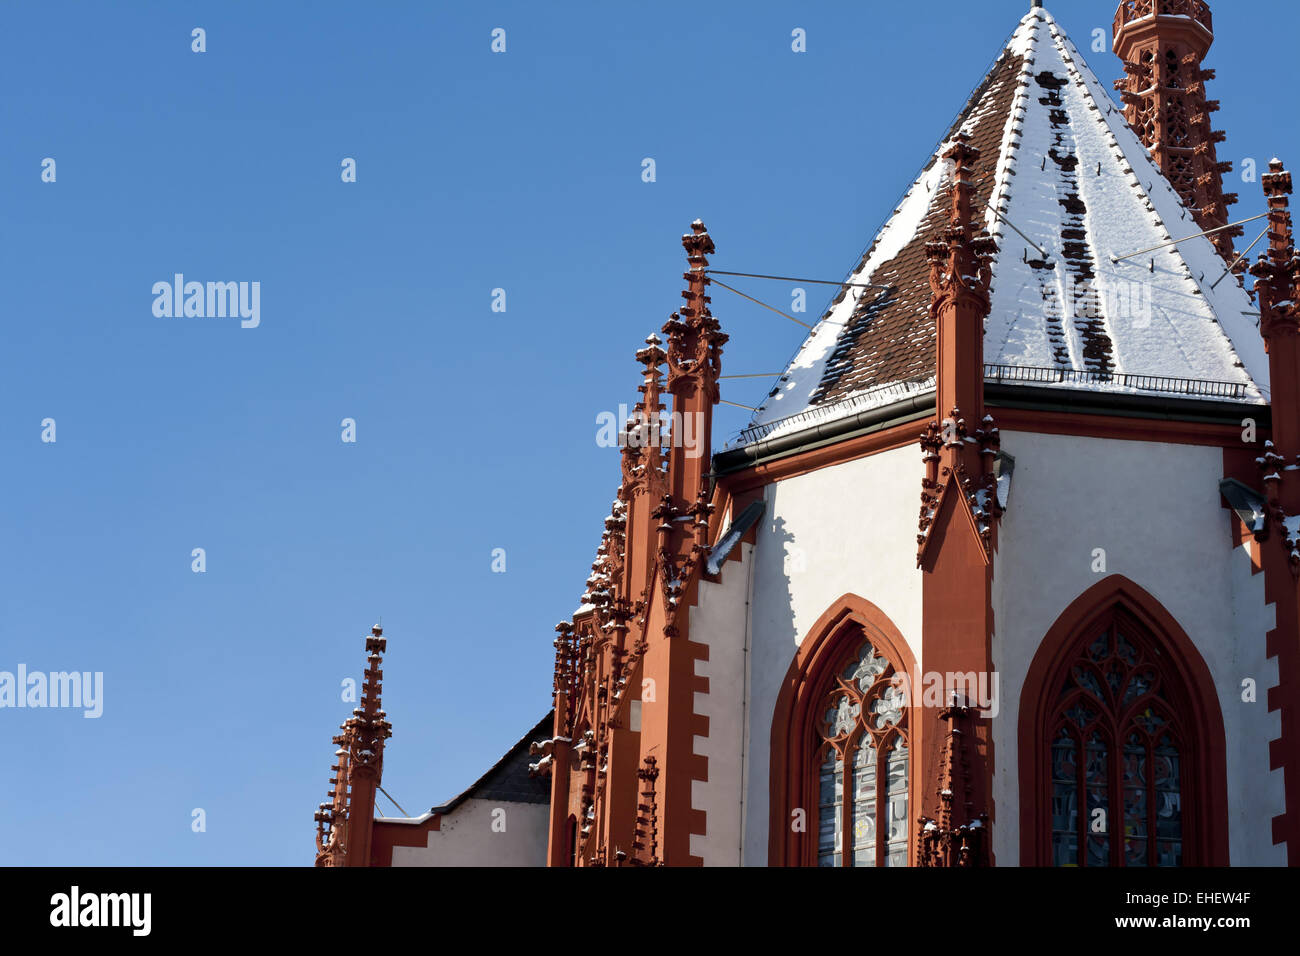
1003 572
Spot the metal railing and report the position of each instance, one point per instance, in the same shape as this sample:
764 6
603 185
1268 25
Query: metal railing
1014 374
1144 383
816 413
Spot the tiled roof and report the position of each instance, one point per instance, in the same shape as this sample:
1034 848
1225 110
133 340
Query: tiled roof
508 779
889 336
1060 165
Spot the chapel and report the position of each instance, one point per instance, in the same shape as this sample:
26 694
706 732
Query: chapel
1003 571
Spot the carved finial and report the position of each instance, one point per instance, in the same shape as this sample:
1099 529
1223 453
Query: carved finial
959 262
963 155
698 245
695 339
374 730
1277 186
652 357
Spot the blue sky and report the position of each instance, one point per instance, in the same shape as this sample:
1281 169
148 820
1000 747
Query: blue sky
475 429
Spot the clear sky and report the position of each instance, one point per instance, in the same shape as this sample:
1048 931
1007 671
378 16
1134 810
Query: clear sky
475 429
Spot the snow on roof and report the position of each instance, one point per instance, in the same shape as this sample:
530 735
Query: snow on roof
1059 161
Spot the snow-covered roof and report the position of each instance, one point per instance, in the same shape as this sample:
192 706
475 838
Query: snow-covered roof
1060 164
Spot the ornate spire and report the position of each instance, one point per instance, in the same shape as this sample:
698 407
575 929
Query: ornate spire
332 817
695 338
1278 271
646 844
959 261
566 669
959 837
652 357
643 438
1162 44
959 284
607 806
344 825
959 511
959 303
695 341
1277 287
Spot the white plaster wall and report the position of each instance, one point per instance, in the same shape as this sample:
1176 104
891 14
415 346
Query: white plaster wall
467 838
1250 823
1155 509
720 619
850 528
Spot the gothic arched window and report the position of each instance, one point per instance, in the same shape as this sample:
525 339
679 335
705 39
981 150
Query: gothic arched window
1119 748
863 766
840 776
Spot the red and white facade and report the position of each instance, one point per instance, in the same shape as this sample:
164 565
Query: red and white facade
1005 570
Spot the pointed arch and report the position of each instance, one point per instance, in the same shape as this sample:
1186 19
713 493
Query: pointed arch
1189 695
795 745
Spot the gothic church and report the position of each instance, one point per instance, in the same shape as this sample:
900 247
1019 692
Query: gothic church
1005 569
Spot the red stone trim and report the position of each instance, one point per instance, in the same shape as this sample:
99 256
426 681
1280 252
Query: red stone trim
926 557
801 463
792 770
389 834
1206 836
1125 429
1009 419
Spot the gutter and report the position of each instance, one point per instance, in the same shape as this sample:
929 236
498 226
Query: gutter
914 408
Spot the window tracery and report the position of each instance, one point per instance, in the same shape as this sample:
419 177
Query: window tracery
863 759
1117 753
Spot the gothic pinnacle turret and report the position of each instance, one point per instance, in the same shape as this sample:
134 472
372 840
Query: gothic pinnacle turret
1277 287
1164 101
344 825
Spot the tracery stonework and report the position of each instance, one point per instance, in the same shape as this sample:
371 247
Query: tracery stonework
1118 753
863 780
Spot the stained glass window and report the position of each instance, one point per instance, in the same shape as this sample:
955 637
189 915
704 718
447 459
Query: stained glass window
830 814
896 804
1115 754
863 729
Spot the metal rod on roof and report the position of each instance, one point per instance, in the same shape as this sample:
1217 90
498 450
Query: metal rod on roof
771 308
755 275
1041 251
737 405
1174 242
394 802
758 375
1228 271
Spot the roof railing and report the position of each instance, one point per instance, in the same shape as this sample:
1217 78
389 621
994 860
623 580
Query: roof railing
816 413
1015 374
1143 383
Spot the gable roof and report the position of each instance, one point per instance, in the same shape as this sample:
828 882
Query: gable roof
1057 160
